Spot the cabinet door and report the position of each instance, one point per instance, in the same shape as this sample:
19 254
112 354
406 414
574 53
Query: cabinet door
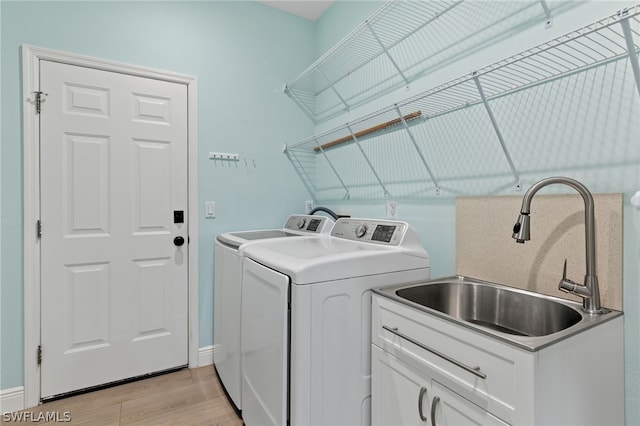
400 395
447 408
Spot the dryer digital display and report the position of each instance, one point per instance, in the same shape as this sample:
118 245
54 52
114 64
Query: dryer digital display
313 225
383 233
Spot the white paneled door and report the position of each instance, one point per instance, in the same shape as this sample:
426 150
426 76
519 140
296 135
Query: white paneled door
114 296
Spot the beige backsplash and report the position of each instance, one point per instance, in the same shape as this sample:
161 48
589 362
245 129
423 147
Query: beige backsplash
485 249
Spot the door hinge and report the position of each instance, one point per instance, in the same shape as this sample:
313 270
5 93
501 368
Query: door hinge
39 354
39 95
39 228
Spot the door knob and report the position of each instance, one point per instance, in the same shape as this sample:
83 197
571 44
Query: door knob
178 241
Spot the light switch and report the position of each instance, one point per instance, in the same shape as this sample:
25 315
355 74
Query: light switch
210 209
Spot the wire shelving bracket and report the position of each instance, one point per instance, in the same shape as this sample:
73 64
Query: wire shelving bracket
494 123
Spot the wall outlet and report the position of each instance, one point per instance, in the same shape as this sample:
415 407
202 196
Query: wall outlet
392 209
308 206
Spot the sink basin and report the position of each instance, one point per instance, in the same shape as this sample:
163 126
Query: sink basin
522 318
494 307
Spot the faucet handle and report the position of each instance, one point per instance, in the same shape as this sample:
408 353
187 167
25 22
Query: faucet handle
572 287
565 284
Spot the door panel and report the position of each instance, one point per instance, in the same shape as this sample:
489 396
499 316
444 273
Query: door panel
226 320
113 170
265 345
87 289
87 185
153 175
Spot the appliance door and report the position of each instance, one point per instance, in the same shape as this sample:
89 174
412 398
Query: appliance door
265 345
226 319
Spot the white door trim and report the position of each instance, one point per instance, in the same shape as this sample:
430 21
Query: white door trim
31 55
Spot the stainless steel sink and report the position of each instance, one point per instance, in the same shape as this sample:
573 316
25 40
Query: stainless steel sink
526 319
495 307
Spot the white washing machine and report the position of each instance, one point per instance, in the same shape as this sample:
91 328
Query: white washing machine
227 292
306 320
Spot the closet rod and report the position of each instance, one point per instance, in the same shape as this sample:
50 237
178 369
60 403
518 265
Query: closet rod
369 130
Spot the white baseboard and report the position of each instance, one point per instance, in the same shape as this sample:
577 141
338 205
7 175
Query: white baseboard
206 355
11 399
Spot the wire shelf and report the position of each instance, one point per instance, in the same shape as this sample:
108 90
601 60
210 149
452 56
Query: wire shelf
467 115
402 41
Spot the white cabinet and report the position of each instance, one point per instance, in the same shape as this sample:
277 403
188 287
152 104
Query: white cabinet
428 370
407 396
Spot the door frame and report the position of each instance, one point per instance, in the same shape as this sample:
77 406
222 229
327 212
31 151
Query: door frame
31 56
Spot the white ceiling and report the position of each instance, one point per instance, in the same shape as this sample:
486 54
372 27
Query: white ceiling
309 9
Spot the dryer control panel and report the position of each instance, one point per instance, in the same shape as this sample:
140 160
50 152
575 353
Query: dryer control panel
387 232
308 223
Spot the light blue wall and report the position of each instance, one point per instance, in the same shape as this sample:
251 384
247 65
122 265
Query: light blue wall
575 149
241 52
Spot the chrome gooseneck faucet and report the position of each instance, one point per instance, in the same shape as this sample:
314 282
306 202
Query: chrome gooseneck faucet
589 291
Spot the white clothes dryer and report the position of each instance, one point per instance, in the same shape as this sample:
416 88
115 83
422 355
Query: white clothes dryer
306 320
227 292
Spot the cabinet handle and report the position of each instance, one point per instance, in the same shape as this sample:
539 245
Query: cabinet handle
473 370
423 391
434 403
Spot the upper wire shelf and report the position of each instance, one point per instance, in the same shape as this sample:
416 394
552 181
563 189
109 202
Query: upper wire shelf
400 42
603 42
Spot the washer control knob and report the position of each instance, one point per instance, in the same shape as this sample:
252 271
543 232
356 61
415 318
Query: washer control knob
301 223
361 230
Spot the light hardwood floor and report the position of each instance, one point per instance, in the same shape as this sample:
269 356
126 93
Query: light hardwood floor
185 397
